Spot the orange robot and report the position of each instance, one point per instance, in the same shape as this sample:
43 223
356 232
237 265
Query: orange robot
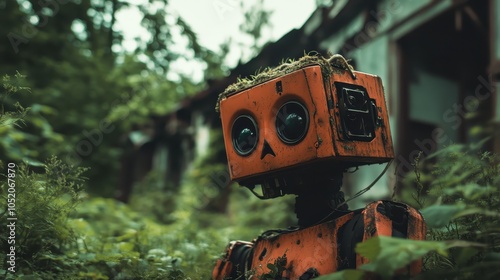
295 130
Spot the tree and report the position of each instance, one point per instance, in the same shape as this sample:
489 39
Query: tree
67 49
257 19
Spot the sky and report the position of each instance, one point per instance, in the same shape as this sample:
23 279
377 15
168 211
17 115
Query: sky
215 21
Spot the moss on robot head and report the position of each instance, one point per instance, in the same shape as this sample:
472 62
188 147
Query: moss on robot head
332 64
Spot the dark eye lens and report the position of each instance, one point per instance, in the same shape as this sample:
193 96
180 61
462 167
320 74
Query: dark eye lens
292 122
244 135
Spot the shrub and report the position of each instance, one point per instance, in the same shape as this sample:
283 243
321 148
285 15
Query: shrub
43 202
458 192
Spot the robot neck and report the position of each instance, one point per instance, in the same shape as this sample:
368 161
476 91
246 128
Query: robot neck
319 201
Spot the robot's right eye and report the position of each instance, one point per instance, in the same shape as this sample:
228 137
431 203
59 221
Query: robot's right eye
244 134
292 122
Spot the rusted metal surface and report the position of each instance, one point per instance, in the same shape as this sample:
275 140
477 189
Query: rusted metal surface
380 223
317 250
417 230
313 248
231 264
323 141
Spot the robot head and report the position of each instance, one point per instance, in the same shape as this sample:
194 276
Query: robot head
306 120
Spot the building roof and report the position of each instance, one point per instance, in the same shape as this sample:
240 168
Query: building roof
323 22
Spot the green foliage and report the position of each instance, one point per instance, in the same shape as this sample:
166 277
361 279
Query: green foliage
146 94
43 203
439 216
154 198
81 77
63 234
276 269
119 243
347 274
388 254
458 191
23 130
256 20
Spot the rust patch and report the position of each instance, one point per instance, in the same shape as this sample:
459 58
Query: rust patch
347 147
262 254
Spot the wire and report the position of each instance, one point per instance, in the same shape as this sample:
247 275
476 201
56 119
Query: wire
256 194
363 191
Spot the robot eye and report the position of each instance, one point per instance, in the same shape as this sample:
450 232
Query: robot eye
244 134
292 122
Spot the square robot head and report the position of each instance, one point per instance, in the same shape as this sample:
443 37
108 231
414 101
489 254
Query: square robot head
307 118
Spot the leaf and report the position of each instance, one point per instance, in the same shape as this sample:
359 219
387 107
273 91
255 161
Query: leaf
437 216
388 254
126 247
471 191
39 108
479 145
465 254
454 148
348 274
476 210
273 268
33 162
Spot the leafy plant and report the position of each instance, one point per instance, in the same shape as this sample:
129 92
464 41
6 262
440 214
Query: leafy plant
276 269
458 191
464 204
43 202
23 129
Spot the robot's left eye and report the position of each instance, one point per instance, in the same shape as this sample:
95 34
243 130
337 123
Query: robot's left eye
292 122
244 134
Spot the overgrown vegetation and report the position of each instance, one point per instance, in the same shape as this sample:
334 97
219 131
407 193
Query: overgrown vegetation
80 75
24 128
64 234
457 191
462 202
328 65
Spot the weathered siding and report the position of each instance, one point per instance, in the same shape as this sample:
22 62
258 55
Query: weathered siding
374 44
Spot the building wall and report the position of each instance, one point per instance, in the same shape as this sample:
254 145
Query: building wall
373 52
